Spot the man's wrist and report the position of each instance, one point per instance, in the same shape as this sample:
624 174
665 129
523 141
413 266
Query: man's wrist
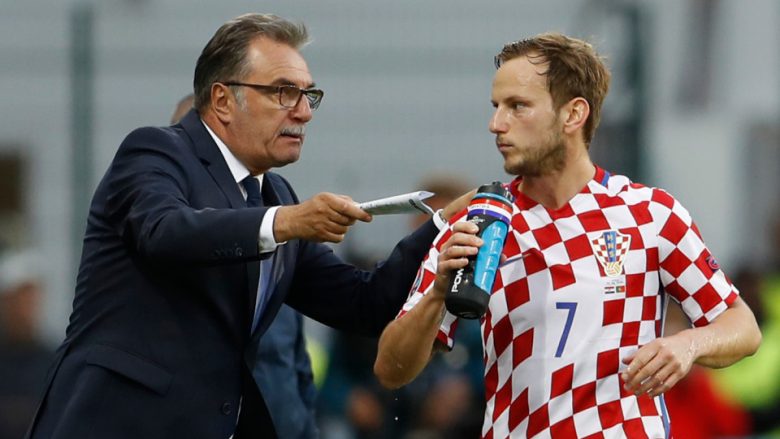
267 241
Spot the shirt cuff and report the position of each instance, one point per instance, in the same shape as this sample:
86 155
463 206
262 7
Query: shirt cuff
438 220
266 241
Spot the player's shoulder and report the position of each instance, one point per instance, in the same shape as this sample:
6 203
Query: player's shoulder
637 193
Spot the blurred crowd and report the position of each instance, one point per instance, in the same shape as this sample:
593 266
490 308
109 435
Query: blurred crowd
24 357
446 401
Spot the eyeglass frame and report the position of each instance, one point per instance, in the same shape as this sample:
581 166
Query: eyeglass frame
278 89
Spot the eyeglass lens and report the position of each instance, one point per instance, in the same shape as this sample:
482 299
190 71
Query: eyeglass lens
290 95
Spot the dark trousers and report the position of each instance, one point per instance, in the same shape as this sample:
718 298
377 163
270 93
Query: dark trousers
254 419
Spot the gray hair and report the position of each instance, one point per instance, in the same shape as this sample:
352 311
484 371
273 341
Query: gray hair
224 57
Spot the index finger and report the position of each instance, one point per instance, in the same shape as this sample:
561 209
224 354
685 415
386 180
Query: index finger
350 209
636 363
465 227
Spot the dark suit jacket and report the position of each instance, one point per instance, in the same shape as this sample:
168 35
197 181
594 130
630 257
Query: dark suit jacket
283 374
159 342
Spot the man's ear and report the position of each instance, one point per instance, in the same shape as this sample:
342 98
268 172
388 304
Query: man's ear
575 114
223 102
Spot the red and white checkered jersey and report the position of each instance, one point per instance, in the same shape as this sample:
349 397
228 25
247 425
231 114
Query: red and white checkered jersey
582 287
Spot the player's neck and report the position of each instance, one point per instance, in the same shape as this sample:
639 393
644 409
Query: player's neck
555 189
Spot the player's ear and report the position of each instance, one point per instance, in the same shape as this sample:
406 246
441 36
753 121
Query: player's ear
574 114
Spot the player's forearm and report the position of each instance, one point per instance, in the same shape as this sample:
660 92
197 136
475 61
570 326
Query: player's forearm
732 336
406 343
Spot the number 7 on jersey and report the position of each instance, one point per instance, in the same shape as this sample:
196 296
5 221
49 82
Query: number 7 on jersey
571 307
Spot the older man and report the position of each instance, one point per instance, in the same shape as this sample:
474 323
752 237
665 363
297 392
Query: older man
191 247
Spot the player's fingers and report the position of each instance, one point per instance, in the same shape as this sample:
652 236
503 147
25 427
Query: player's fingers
460 251
463 240
665 379
447 266
649 377
631 375
465 227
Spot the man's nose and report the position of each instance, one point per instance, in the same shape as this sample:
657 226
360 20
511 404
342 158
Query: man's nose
302 111
497 122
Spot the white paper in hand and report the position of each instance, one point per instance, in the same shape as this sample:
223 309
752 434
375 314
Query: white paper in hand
405 203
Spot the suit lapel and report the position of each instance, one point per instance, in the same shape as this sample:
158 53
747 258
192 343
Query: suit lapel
270 193
209 154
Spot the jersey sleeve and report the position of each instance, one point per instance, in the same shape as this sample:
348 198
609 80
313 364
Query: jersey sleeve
423 284
687 269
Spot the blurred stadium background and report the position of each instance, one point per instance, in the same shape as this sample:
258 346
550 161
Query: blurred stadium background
694 106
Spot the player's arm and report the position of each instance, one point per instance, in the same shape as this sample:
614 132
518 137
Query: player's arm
731 337
715 342
407 343
659 365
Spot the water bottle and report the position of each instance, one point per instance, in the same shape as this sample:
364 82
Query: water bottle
470 287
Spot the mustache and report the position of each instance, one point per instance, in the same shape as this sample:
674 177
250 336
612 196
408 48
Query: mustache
297 131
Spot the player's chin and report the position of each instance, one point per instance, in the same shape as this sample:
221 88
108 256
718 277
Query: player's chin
513 167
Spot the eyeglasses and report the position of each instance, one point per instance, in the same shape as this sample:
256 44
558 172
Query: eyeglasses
289 95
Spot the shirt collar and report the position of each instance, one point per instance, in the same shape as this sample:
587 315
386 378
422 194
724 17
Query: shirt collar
237 169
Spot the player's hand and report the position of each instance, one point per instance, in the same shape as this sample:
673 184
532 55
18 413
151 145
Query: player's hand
325 217
463 242
657 366
458 204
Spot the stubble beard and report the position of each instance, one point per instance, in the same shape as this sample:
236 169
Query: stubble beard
547 158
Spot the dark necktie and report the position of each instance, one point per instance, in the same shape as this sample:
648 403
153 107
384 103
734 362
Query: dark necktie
254 199
252 187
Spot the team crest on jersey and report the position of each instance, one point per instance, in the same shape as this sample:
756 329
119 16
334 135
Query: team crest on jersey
610 249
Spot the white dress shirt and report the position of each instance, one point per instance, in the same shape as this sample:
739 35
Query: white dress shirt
266 241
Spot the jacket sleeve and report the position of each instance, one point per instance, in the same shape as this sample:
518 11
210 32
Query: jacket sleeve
346 298
146 197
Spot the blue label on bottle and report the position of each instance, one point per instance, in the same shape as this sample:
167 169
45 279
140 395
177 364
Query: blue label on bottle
489 255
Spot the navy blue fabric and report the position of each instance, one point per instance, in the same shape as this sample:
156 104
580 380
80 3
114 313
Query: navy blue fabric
282 367
160 337
283 374
252 187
